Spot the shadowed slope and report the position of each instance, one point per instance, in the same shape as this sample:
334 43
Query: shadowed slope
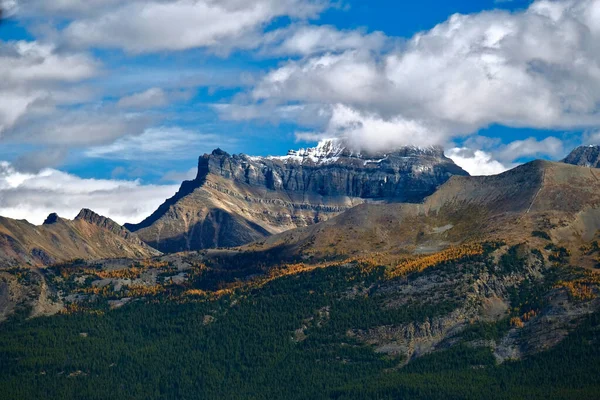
561 199
88 236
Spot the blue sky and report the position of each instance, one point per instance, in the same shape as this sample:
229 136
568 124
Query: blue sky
106 91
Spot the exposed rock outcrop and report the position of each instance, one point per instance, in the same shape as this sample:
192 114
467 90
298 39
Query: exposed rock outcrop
584 156
236 199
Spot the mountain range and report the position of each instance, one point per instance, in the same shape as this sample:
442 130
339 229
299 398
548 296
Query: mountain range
326 272
237 199
88 236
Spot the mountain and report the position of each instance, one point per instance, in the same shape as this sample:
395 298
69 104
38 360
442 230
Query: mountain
488 289
557 198
237 199
584 156
88 236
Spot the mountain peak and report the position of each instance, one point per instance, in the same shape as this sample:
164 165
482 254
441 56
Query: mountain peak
219 152
584 156
326 148
93 218
236 199
52 219
331 150
88 215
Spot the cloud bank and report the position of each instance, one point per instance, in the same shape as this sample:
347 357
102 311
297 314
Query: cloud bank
33 196
537 68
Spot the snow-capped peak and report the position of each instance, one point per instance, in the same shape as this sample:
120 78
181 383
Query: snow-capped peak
329 151
326 148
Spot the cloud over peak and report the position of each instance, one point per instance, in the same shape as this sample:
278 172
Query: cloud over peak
537 68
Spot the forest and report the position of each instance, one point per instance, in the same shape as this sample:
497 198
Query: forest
246 345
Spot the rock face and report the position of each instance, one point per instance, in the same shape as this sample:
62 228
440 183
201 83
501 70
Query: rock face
236 199
562 200
584 156
89 236
108 224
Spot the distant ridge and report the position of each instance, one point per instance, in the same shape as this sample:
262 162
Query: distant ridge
89 236
584 156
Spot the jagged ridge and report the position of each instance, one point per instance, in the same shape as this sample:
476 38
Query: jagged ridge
88 236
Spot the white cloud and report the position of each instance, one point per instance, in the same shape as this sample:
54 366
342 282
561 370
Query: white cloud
34 196
159 143
8 7
33 75
536 68
531 147
149 26
77 128
310 39
500 158
153 97
372 133
476 162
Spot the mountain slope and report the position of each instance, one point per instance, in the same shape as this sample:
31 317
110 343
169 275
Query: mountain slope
584 156
88 236
238 199
562 199
481 283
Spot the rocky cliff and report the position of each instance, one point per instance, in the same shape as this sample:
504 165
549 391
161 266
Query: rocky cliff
559 199
584 156
236 199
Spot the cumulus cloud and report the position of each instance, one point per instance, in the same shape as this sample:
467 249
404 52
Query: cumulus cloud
150 26
59 8
355 126
33 196
7 8
536 68
498 157
476 162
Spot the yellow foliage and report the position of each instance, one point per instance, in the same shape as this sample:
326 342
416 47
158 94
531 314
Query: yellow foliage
127 273
141 290
73 308
405 267
528 315
581 289
578 290
195 292
516 322
153 264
